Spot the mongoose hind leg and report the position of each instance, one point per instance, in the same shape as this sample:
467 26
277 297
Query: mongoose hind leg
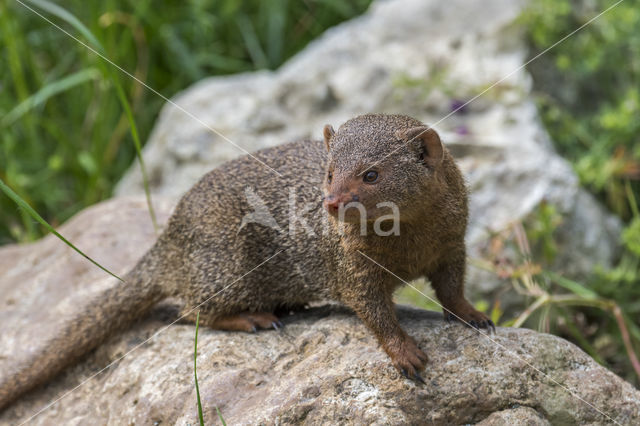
448 282
243 321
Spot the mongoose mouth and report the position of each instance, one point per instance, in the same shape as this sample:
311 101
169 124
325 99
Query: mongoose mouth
355 212
348 216
346 212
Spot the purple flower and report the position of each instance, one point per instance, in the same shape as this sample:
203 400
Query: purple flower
458 105
462 130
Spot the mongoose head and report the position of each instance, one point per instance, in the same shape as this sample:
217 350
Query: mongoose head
378 159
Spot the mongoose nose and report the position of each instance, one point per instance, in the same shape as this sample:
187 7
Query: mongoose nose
332 204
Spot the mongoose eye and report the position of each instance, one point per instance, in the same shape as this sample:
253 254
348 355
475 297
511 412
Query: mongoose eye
329 176
370 176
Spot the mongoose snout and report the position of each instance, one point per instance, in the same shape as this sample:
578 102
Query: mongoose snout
333 203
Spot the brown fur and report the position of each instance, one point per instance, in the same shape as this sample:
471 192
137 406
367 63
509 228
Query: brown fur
201 251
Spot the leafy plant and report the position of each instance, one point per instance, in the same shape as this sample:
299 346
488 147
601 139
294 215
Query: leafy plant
67 134
588 90
588 94
596 315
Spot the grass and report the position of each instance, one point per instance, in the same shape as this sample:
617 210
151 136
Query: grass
32 213
600 321
96 47
195 371
72 125
195 376
587 91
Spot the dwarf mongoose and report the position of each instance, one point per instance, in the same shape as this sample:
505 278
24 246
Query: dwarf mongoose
387 164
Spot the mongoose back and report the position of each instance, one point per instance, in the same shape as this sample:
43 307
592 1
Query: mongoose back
381 187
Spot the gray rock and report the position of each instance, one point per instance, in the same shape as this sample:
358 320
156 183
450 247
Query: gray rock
518 415
324 367
415 57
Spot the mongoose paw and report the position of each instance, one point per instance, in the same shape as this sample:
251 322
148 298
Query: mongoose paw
407 357
471 317
248 321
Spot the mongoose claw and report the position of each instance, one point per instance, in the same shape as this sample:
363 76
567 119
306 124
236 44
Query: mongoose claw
471 318
260 320
486 323
404 373
414 376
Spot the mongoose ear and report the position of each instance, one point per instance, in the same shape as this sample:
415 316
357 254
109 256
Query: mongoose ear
431 143
328 133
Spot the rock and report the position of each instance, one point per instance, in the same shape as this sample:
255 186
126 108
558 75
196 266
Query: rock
518 415
416 57
324 367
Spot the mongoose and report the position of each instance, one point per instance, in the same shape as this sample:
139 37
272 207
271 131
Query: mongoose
207 245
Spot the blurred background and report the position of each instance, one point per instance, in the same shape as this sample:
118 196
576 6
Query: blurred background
68 120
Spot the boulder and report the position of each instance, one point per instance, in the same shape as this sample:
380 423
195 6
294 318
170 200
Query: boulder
323 367
423 58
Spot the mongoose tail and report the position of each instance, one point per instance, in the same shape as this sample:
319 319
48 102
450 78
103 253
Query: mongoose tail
110 311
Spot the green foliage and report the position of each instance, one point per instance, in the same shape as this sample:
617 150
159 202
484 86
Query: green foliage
66 133
424 298
600 314
540 231
589 87
631 237
589 99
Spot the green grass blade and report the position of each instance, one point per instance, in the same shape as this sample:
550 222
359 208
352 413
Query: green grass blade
48 91
632 199
195 371
252 42
61 13
220 417
80 27
26 207
136 141
574 287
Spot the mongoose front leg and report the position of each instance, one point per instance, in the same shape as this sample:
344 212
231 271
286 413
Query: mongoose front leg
448 282
377 311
